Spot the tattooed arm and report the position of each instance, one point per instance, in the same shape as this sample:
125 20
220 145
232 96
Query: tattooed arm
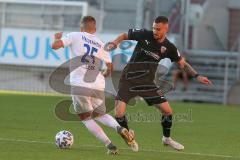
186 67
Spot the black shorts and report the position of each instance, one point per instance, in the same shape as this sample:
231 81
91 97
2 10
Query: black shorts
127 90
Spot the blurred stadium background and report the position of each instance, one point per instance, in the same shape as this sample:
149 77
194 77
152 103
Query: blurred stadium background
206 32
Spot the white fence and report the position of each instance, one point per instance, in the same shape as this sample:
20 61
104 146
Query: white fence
46 15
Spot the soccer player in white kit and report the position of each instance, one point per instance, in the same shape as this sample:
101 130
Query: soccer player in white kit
90 105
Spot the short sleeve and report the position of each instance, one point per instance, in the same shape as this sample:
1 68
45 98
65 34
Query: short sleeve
67 39
139 34
175 55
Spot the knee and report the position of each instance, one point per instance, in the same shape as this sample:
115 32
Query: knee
96 114
165 109
119 113
167 112
85 116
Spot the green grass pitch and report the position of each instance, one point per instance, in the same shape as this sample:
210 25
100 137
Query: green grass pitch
28 126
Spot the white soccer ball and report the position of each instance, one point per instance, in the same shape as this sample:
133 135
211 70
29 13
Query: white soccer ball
64 139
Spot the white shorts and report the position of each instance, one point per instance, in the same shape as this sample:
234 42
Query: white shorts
91 101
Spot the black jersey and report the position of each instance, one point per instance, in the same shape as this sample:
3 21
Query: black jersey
146 56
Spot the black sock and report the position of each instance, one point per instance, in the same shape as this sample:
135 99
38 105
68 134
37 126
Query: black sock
122 121
166 125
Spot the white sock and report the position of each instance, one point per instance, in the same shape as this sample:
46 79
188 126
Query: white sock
108 120
97 131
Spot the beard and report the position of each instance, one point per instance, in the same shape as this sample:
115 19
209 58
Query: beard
157 37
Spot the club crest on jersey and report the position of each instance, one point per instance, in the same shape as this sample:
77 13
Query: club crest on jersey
163 49
147 42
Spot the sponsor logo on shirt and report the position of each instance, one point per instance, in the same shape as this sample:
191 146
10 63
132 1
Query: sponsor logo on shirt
147 42
163 49
152 54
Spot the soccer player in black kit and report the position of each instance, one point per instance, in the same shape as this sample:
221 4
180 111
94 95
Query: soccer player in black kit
138 76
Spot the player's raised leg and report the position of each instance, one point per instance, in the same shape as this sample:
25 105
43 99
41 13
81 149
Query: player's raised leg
108 120
99 112
126 134
84 108
166 122
98 132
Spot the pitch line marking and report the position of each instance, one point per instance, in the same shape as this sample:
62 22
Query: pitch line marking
145 150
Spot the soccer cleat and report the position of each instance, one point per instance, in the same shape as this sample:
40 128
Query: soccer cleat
134 146
131 132
128 137
112 149
168 141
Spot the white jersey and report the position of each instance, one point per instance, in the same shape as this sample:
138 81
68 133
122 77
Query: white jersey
90 49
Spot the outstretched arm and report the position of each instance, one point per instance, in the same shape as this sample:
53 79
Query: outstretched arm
109 69
120 38
186 67
112 45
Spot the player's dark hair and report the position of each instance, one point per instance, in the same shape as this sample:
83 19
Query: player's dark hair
86 20
161 19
